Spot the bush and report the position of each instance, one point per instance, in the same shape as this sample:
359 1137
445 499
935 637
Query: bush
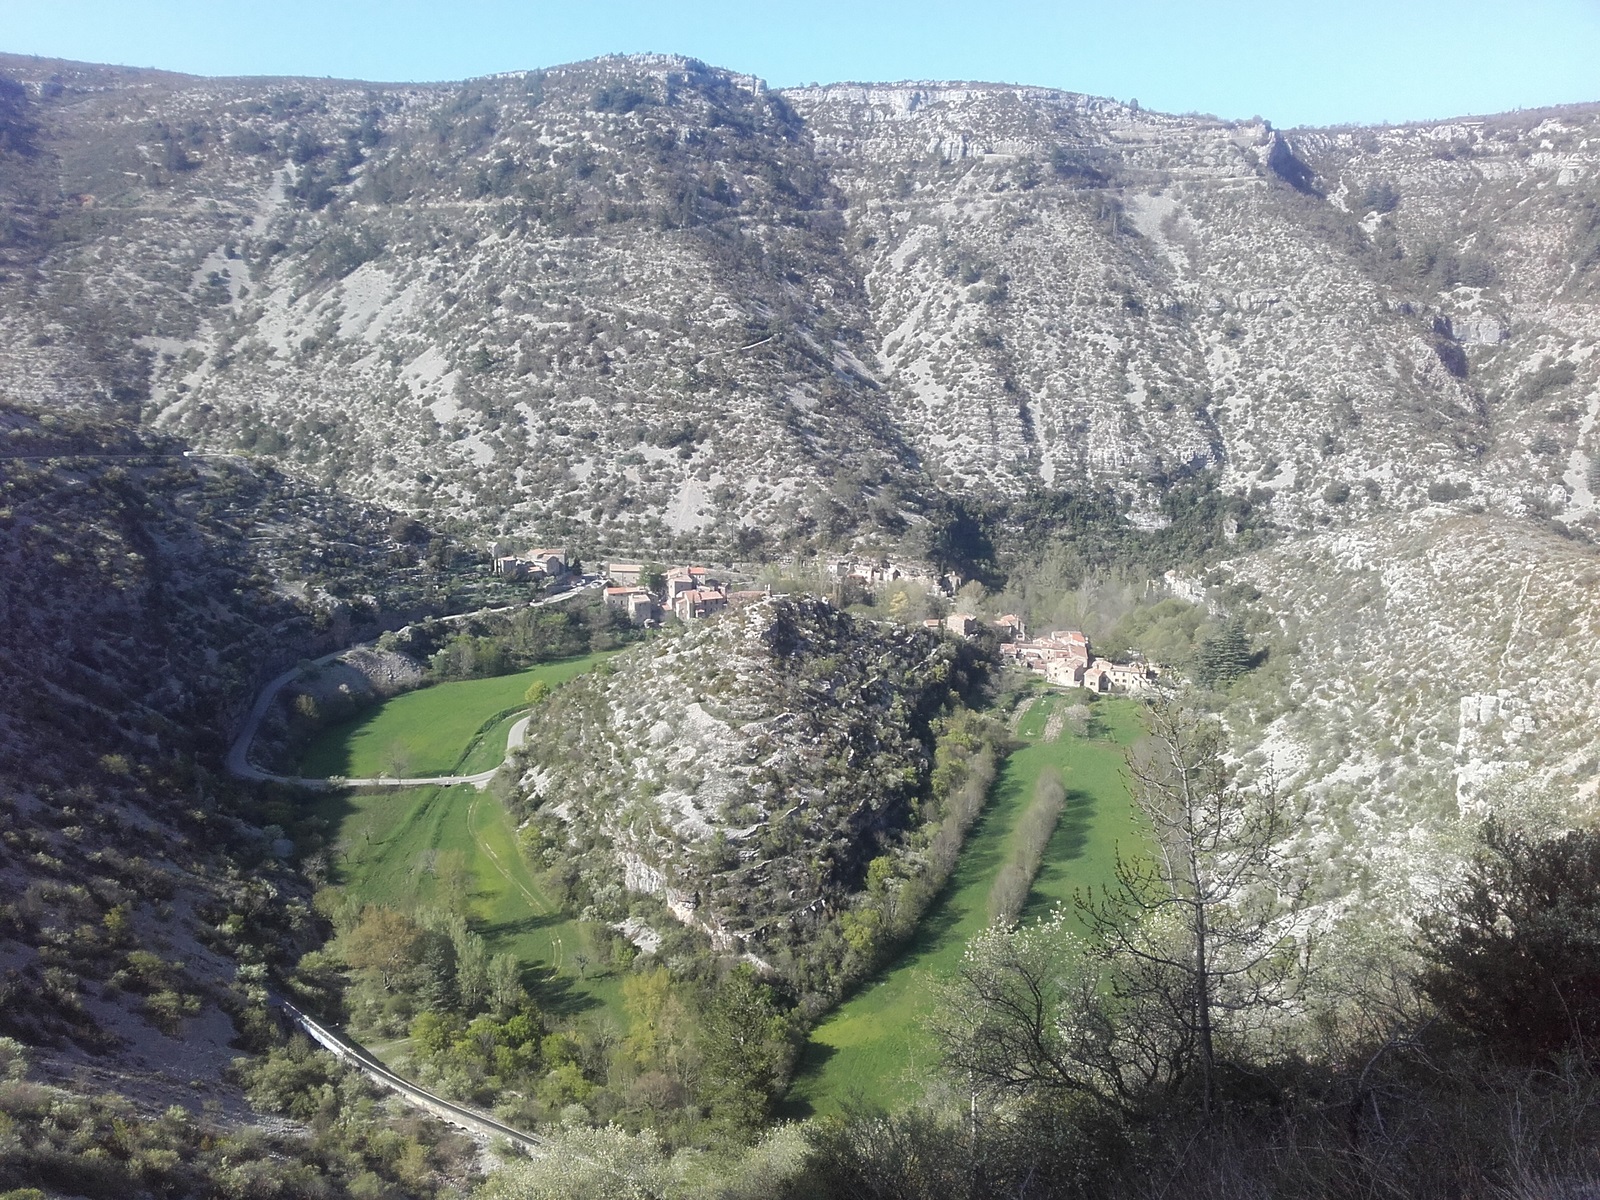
13 1059
1515 962
296 1079
1380 195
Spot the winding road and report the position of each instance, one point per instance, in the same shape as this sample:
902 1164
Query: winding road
459 1115
238 761
338 1043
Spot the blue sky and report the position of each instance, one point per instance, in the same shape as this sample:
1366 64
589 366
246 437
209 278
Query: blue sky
1292 62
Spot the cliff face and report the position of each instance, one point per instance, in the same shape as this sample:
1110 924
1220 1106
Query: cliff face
649 300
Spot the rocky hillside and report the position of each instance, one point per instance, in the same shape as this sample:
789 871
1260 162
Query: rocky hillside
743 773
1069 290
648 301
1422 672
538 302
144 592
644 305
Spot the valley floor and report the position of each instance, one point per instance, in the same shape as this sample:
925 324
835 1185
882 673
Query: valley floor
424 732
456 847
877 1045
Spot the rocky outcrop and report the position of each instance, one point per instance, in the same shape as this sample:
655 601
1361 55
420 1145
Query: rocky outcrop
744 771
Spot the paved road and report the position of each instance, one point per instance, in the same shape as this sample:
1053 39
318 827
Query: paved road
363 1060
238 760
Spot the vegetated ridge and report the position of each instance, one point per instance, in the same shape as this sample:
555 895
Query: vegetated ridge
738 779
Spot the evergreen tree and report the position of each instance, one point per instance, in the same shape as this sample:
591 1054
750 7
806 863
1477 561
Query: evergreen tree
1223 657
746 1049
437 985
1516 961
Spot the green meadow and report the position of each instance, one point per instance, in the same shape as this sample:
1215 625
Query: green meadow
428 731
877 1045
456 846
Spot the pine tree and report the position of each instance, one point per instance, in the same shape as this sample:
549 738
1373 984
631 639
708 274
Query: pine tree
1516 960
1223 657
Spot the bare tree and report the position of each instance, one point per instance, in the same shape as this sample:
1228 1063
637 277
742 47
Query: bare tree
1197 941
1039 1008
1213 910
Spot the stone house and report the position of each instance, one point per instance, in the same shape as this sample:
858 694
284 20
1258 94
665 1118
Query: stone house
687 579
625 574
1132 677
1011 628
642 607
552 562
698 603
639 604
961 624
1064 672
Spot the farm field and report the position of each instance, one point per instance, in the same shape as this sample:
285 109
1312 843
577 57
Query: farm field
428 731
876 1045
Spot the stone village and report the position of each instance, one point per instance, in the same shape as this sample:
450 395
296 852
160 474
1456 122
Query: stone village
1063 657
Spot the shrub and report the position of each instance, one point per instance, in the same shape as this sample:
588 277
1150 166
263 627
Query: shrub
1515 961
1380 195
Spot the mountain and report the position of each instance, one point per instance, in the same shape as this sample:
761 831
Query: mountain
643 301
1423 672
267 345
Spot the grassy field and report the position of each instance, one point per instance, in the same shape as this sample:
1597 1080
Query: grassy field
488 749
425 732
876 1045
455 846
